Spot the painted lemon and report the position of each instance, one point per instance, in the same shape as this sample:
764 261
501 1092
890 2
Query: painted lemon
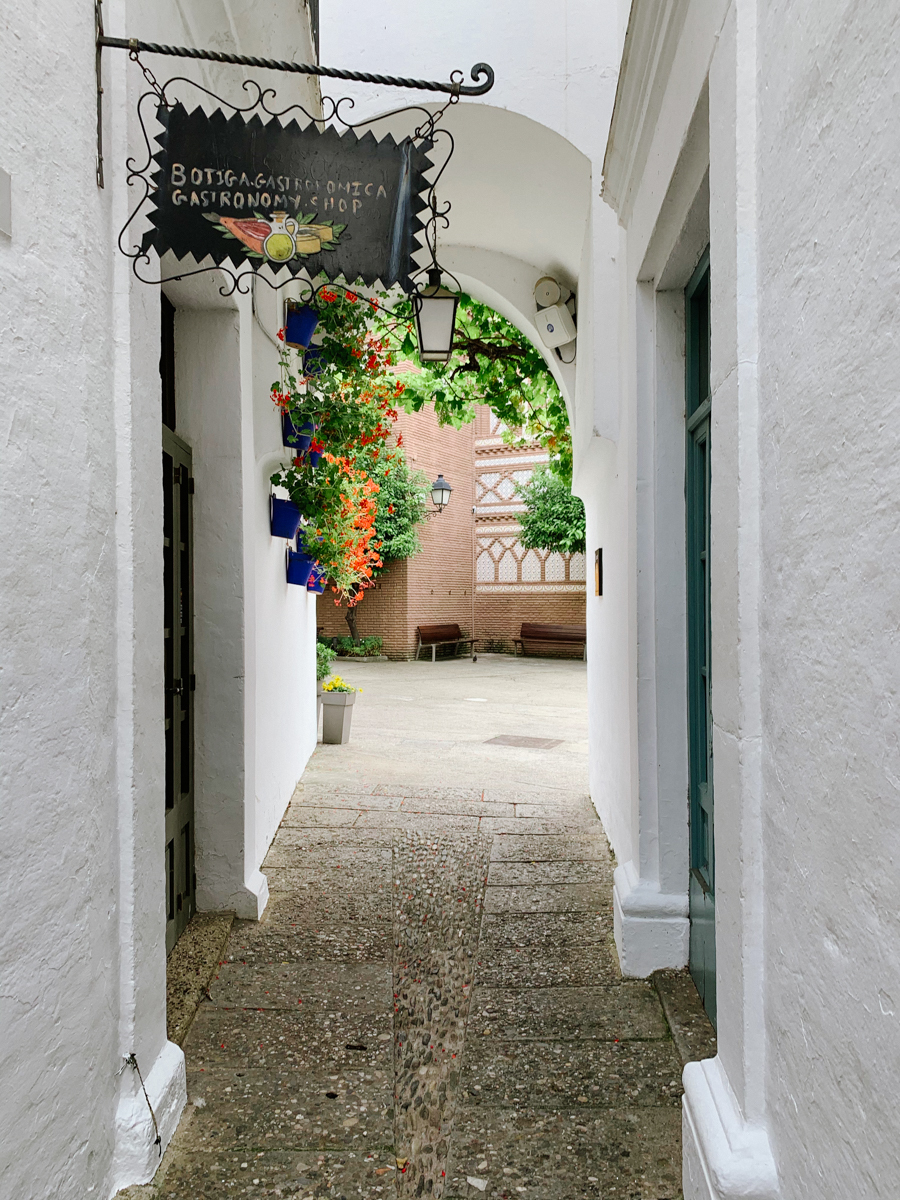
279 247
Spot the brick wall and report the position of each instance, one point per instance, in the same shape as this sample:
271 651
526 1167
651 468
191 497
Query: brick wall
499 617
436 586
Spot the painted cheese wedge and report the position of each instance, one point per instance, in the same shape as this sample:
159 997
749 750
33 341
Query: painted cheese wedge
306 241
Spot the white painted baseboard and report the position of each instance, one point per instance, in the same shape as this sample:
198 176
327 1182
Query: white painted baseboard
136 1155
724 1158
257 897
651 927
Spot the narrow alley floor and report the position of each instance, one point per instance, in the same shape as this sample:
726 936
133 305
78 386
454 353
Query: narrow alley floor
432 1004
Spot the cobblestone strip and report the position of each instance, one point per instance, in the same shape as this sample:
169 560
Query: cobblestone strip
438 899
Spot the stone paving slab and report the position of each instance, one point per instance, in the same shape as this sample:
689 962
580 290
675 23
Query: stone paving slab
541 874
354 877
331 817
692 1030
562 897
520 846
599 1155
421 823
308 1175
327 845
325 786
278 1038
458 808
539 931
354 987
348 802
308 1110
190 968
592 964
526 794
568 822
572 1074
627 1010
560 811
330 940
318 905
419 792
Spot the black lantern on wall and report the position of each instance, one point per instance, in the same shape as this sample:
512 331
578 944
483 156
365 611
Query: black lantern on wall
440 493
435 313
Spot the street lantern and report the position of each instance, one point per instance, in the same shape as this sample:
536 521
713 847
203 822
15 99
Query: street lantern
435 311
440 493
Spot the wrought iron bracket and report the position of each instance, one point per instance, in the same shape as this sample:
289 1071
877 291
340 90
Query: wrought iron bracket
481 73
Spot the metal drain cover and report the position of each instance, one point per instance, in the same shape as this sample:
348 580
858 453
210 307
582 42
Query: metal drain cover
512 739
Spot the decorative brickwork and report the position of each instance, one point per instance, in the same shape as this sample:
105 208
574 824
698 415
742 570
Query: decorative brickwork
475 540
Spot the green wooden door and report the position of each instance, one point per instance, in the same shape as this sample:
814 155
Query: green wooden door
697 480
178 486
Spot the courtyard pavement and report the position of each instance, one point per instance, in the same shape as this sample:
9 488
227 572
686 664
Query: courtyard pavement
432 1005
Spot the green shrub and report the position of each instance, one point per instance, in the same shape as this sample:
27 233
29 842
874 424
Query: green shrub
553 518
369 647
325 656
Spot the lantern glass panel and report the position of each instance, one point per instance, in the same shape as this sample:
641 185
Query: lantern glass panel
435 321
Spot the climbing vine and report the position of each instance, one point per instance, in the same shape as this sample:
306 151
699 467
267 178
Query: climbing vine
492 363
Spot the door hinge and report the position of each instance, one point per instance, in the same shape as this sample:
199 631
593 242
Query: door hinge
193 679
190 484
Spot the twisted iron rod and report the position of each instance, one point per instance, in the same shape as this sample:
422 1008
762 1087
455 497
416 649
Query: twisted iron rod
481 71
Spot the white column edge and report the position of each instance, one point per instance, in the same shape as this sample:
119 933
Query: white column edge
651 927
724 1157
137 1157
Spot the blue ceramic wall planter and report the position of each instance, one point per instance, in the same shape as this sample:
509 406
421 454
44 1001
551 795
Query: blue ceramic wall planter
316 580
314 361
284 517
296 438
299 566
300 323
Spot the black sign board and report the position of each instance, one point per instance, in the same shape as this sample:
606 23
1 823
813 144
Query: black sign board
238 189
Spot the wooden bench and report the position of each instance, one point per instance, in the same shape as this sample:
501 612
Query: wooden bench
559 637
442 635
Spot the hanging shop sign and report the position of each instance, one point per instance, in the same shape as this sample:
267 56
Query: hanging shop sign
247 191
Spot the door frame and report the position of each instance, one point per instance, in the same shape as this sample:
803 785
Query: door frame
701 810
179 683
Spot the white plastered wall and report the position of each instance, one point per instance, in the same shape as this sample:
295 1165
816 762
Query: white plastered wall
663 198
255 719
82 955
829 427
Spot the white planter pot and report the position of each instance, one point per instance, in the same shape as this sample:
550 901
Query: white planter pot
337 712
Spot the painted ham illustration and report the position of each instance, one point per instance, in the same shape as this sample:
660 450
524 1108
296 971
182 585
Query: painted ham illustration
252 233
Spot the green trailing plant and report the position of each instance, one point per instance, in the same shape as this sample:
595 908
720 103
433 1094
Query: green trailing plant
402 504
350 399
325 656
553 518
400 510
